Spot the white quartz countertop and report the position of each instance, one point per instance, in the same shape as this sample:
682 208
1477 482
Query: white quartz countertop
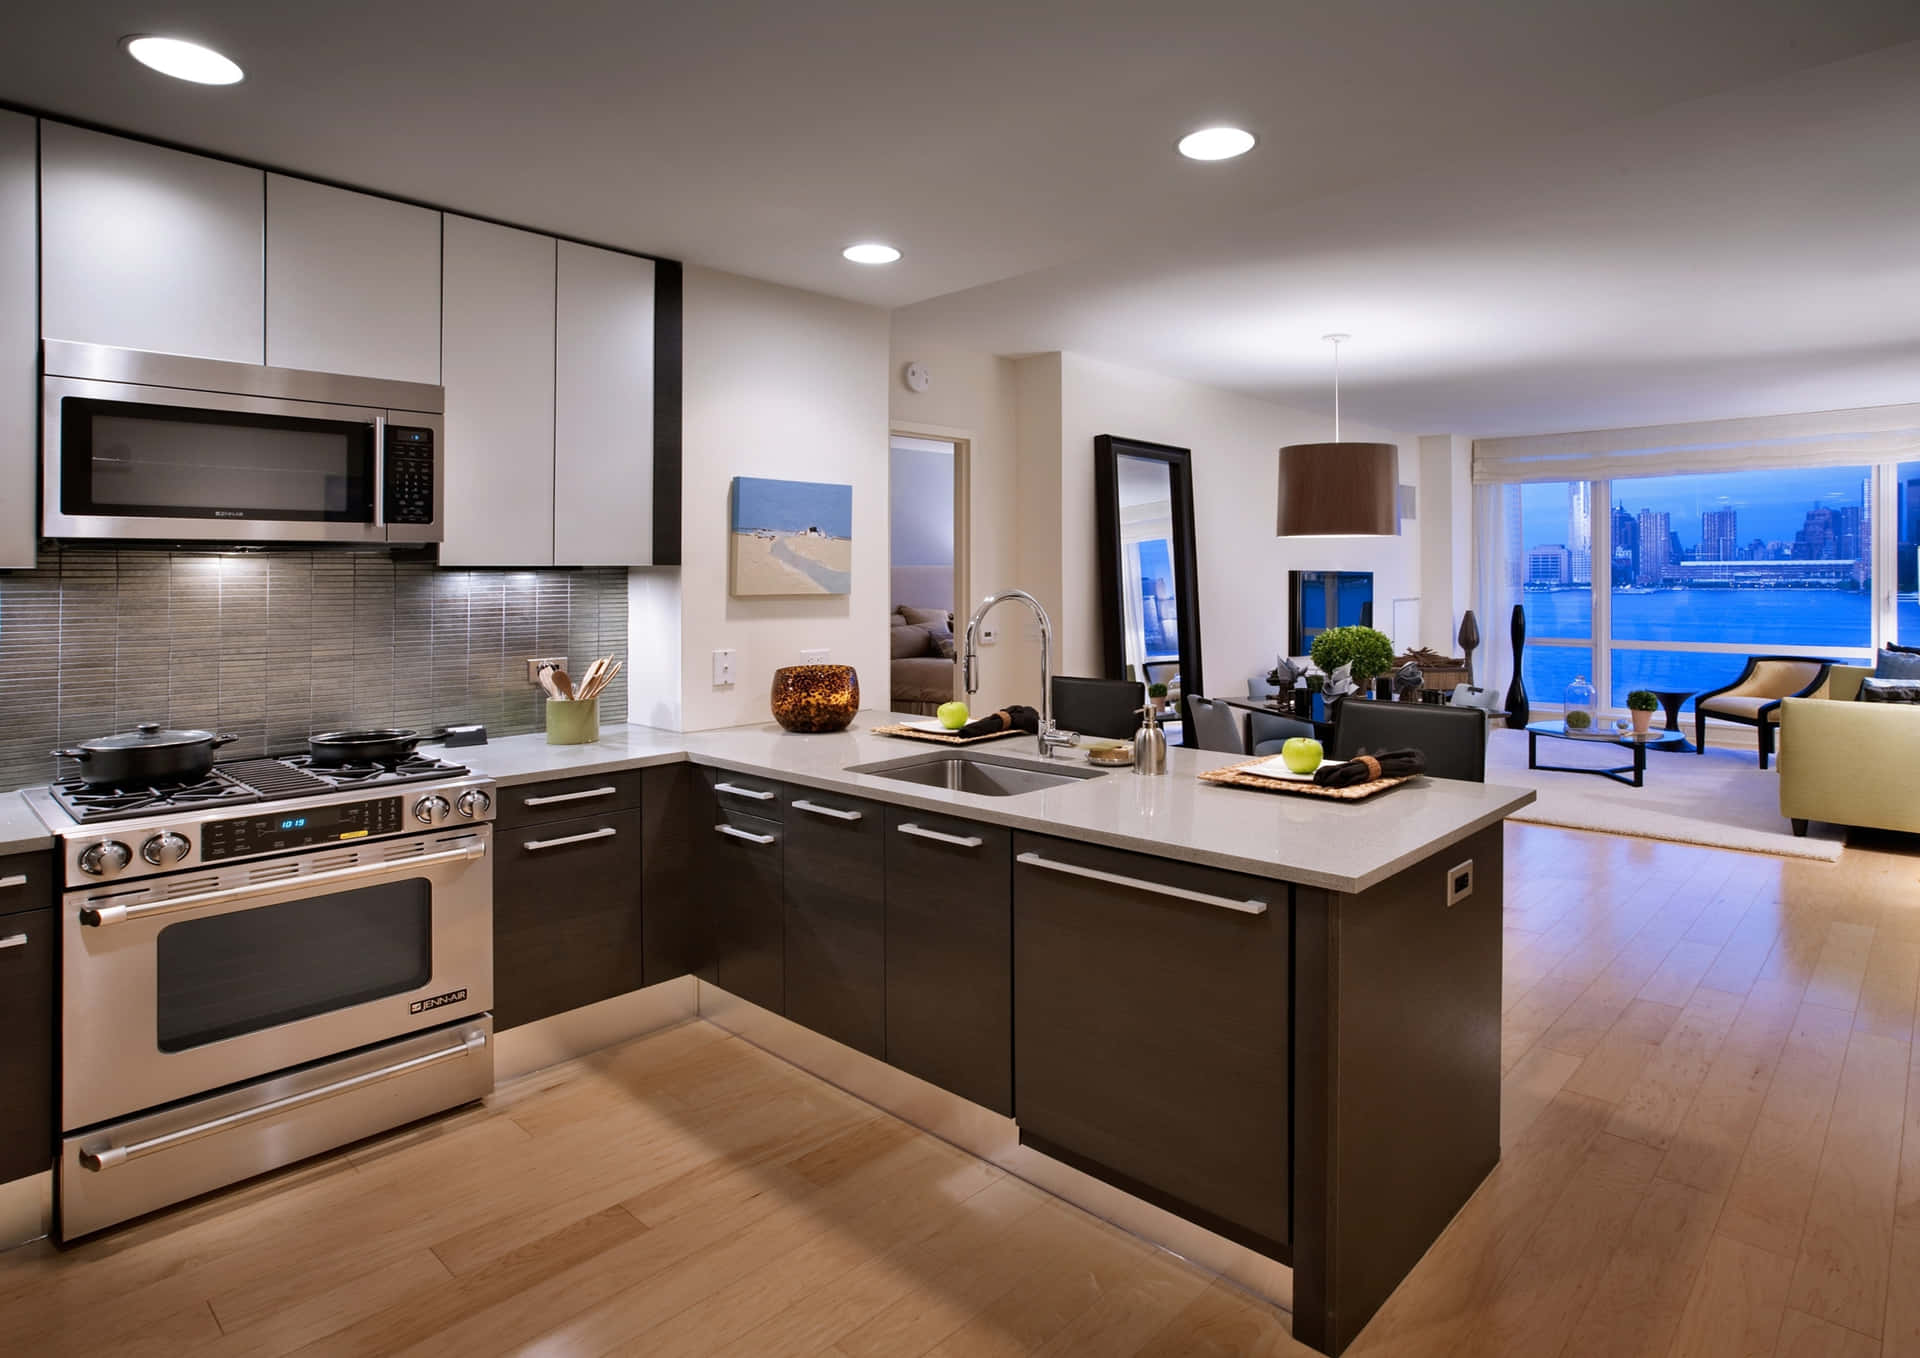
1342 846
20 830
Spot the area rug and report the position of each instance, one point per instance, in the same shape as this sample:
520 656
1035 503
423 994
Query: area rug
1720 799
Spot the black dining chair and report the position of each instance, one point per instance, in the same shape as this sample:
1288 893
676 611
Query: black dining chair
1106 708
1454 739
1215 727
1268 733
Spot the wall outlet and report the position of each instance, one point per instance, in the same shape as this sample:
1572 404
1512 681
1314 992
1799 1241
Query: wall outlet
818 657
722 668
534 662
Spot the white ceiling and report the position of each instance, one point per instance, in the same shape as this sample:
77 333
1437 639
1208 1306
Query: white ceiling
1413 184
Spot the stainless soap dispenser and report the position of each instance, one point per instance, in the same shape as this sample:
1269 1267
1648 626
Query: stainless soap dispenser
1149 745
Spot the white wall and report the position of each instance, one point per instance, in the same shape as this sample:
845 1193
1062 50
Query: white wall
1243 566
787 384
1446 538
654 674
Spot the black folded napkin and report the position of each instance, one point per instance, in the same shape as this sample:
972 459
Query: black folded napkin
1006 719
1367 768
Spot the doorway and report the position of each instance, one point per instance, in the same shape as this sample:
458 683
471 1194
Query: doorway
927 535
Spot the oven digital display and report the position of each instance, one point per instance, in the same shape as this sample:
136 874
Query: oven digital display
243 836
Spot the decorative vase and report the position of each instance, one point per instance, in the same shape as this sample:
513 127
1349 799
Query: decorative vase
1383 686
1303 703
1642 721
815 699
1469 638
1519 711
1579 704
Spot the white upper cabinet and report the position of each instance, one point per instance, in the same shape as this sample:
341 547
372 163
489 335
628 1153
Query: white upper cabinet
603 415
19 346
497 366
353 283
148 248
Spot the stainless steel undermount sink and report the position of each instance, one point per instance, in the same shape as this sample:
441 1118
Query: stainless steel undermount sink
981 774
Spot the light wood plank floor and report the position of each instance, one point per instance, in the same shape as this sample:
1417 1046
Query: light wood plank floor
1712 1146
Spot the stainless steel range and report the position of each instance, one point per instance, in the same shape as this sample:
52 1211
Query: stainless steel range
263 964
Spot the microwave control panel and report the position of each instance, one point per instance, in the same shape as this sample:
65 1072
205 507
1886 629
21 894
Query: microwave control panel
409 474
296 829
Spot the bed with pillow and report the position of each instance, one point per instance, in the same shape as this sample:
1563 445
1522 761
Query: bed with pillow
1848 758
925 667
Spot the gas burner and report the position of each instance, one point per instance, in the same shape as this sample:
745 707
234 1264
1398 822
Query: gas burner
410 769
87 803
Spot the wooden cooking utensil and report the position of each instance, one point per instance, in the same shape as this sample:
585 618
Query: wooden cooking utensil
565 684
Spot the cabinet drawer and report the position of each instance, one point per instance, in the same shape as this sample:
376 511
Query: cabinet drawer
950 954
566 798
566 915
836 928
1153 1043
741 857
26 882
26 1043
746 793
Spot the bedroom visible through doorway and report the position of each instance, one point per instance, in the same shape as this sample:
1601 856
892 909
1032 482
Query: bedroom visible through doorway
924 498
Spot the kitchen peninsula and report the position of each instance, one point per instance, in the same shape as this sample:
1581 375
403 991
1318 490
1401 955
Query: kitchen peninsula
1274 1019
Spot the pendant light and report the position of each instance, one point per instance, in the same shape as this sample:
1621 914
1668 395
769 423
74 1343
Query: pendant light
1339 489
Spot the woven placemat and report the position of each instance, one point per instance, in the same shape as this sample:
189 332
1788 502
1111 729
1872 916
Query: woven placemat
1231 775
943 738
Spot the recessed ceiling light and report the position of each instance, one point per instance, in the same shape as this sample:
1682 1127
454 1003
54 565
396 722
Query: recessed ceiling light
871 252
183 60
1216 143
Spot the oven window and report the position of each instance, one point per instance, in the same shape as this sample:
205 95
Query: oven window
125 459
255 969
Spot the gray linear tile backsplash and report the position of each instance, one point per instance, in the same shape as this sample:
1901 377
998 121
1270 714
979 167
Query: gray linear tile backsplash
271 646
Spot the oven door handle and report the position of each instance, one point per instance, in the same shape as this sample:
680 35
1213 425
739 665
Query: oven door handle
99 1157
98 916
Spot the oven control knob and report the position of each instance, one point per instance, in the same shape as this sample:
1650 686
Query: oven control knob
105 858
431 810
165 849
475 803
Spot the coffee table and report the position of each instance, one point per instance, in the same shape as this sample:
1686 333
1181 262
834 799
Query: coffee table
1633 775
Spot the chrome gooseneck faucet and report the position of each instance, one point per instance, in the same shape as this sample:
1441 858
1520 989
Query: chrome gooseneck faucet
1049 737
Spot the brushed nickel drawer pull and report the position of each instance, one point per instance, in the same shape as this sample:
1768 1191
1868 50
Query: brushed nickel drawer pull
20 880
13 941
569 796
97 1158
747 835
1139 884
535 845
921 832
819 810
757 794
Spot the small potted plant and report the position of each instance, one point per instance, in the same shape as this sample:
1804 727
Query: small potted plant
1158 692
1641 705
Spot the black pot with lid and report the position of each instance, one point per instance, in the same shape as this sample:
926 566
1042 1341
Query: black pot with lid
147 754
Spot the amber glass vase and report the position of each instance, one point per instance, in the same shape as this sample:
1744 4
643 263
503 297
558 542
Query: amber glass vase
815 699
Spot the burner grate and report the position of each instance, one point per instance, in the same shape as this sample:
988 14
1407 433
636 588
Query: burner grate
275 778
87 803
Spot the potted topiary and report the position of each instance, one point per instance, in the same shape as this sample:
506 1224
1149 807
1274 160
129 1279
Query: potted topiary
1158 693
1641 705
1367 651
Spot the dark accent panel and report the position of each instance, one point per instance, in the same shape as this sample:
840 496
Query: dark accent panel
36 893
512 810
26 1055
566 920
1107 450
667 378
1398 1000
674 929
740 881
950 957
1153 1032
836 929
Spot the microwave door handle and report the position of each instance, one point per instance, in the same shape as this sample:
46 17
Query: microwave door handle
380 468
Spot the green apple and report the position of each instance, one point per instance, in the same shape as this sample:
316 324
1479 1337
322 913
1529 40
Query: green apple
952 715
1302 754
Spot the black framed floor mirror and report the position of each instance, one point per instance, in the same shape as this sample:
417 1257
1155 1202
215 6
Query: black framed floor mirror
1149 583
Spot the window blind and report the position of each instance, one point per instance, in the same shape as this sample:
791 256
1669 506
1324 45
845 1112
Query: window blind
1823 438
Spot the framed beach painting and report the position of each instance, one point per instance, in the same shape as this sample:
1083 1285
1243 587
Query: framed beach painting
791 537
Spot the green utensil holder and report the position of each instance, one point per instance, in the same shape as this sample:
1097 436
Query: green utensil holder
573 723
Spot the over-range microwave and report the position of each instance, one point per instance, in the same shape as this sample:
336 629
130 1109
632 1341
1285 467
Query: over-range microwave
159 447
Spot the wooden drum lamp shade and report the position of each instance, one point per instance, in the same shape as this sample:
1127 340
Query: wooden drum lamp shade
1339 490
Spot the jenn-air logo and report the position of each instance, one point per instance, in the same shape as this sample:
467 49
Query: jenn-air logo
229 513
451 997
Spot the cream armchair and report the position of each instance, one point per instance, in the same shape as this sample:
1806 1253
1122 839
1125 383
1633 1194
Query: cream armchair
1754 698
1849 763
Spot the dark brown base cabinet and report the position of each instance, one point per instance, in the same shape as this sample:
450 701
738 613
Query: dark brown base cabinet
739 858
29 950
949 954
674 918
834 875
